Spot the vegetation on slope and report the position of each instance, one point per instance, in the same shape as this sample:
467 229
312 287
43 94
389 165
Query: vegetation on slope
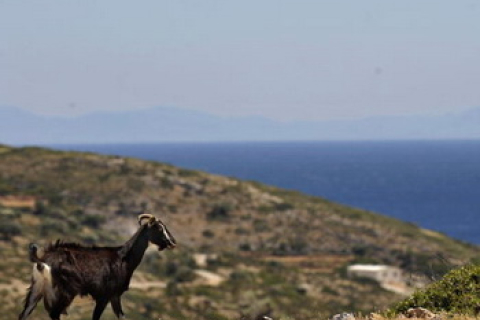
243 227
458 292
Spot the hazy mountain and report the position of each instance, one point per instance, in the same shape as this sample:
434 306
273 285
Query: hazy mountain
172 124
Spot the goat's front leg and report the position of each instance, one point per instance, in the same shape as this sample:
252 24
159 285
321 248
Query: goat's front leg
99 308
59 306
117 307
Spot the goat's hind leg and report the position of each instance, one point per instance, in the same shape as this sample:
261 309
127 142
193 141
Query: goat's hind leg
99 308
35 294
59 306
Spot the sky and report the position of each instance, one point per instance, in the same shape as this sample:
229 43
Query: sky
284 60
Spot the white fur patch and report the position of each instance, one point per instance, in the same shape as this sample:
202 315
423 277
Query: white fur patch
43 281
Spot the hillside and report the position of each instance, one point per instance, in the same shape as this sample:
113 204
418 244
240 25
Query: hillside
265 248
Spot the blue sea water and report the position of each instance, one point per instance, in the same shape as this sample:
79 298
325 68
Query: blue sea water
434 184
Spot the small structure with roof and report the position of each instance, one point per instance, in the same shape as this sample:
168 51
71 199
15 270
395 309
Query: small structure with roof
381 273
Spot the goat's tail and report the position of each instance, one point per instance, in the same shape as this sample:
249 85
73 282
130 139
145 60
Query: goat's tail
40 287
32 252
42 273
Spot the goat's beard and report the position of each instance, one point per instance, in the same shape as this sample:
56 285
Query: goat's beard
168 246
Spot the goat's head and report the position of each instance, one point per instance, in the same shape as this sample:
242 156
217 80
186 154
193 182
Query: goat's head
157 232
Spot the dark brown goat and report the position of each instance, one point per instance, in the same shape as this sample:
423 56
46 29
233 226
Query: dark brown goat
67 270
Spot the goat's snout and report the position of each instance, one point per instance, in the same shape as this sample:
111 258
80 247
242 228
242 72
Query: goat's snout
171 245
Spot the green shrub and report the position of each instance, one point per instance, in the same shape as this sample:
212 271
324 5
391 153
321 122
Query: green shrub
179 273
77 212
6 188
184 274
213 315
245 247
135 184
240 277
457 292
260 225
208 233
166 183
242 231
173 289
330 291
123 209
93 220
90 239
187 173
53 226
171 268
265 209
56 213
172 208
54 199
220 212
9 229
284 206
40 208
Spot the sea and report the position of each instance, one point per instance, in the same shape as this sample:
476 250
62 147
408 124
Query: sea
433 184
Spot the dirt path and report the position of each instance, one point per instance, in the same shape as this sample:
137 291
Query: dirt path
145 285
210 278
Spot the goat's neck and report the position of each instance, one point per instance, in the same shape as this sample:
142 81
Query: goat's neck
133 250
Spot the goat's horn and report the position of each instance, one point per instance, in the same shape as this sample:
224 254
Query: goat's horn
144 216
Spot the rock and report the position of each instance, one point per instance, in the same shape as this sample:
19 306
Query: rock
420 313
303 288
343 316
375 316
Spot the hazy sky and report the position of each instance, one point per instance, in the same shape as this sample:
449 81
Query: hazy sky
286 60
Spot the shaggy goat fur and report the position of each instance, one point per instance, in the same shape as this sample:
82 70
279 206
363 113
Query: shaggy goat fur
66 270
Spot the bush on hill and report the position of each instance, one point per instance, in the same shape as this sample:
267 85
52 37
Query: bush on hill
458 292
9 229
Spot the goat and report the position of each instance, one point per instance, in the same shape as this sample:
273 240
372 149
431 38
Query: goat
67 269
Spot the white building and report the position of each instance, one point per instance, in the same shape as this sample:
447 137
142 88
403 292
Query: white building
381 273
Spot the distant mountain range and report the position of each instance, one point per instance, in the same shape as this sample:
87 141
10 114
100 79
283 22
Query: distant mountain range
162 124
